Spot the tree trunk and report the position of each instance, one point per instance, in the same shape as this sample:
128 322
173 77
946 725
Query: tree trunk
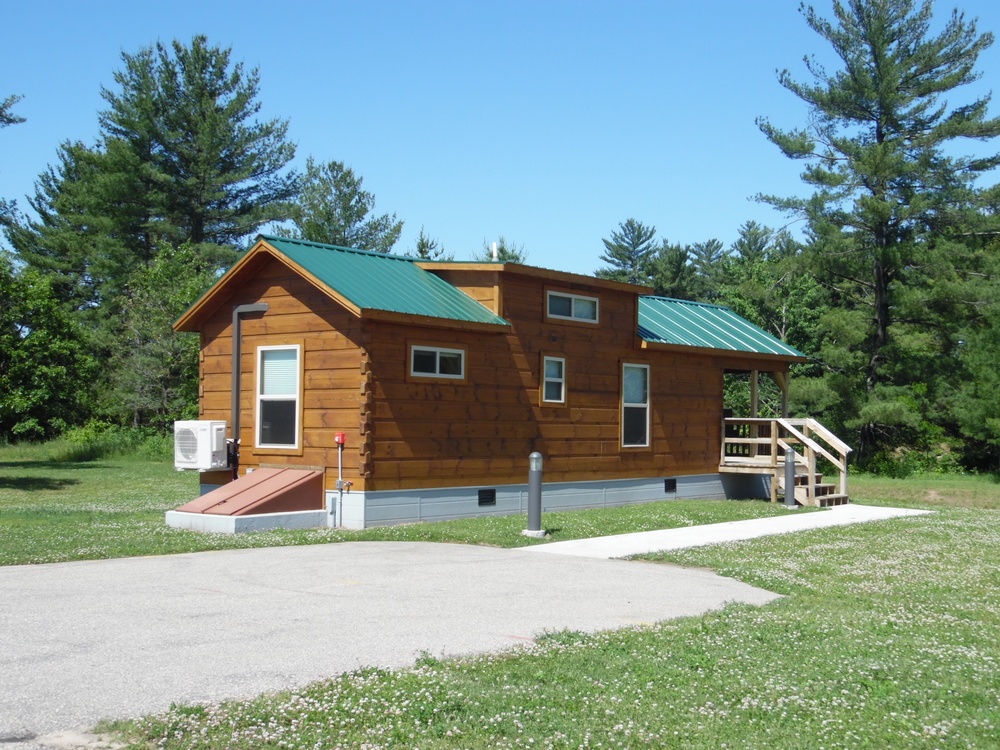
882 278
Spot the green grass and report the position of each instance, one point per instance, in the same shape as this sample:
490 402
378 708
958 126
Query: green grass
52 511
887 638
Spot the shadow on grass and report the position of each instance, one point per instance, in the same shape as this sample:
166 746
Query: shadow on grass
49 465
34 484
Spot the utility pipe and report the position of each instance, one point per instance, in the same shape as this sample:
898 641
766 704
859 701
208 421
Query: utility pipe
340 438
234 413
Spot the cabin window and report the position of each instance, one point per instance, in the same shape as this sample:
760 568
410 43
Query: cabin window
553 380
635 406
435 362
572 307
278 396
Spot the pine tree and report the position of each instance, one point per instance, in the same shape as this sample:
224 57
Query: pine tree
334 209
427 248
672 274
7 117
506 251
885 177
706 262
181 159
629 253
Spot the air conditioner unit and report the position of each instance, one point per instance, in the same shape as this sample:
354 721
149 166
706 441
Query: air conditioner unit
200 444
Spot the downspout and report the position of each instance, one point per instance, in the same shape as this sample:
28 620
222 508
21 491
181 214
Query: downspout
238 312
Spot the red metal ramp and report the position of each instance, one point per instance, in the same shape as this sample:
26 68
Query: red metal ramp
263 491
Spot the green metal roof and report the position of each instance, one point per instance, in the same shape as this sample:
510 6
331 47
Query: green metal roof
377 281
672 321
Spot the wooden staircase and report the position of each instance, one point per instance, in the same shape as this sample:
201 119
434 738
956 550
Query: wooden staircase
817 494
761 446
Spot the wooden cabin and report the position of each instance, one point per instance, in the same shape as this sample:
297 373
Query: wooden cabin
442 378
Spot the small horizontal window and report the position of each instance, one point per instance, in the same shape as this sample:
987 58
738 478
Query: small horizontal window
572 307
432 362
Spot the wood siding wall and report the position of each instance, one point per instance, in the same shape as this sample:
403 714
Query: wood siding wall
332 350
429 433
406 432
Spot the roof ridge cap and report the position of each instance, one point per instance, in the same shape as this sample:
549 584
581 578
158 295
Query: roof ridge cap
683 301
339 248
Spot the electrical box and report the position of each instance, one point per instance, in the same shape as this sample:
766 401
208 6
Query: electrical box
200 445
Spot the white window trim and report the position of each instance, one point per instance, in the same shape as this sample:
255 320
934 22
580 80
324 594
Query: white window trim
438 351
546 380
573 298
644 405
296 398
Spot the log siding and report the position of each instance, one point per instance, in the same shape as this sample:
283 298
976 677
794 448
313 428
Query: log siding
407 433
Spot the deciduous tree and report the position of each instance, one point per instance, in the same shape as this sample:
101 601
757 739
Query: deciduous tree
154 370
46 371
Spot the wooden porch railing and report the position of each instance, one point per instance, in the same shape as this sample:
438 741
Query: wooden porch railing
759 446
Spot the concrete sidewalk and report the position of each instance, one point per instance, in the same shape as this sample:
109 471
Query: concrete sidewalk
639 543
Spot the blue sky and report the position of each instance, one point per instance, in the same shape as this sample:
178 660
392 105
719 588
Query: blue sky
548 122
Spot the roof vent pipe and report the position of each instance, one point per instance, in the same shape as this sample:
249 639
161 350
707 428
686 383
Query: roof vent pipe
238 312
496 256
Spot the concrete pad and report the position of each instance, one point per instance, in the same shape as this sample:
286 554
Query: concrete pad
644 542
209 523
89 640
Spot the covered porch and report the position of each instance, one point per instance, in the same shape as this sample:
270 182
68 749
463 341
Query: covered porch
756 445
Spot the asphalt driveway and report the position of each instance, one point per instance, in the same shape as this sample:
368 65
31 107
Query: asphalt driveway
122 638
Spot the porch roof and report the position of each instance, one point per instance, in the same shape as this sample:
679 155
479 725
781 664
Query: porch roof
663 320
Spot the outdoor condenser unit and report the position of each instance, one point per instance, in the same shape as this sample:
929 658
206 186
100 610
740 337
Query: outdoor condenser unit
200 444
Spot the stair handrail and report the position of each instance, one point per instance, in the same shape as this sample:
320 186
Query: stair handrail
840 463
839 445
810 448
823 433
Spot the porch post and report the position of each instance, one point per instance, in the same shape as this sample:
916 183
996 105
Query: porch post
782 378
754 409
